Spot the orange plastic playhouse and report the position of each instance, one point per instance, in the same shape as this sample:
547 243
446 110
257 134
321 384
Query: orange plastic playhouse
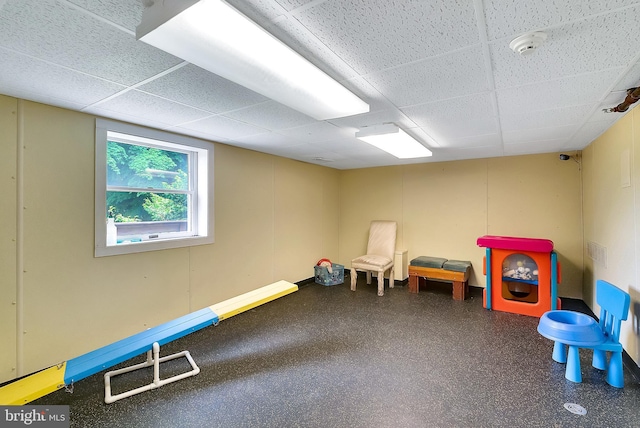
522 275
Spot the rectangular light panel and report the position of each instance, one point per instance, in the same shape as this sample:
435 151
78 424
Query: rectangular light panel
393 140
213 35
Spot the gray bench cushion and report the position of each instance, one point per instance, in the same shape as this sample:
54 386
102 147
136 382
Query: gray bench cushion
429 262
456 265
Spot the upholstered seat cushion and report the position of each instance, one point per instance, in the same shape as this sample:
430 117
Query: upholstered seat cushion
456 265
371 260
429 262
380 254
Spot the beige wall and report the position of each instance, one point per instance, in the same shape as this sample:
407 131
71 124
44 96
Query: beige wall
442 208
8 235
274 218
611 214
366 195
269 225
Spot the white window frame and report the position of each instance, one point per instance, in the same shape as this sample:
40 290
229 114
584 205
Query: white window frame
201 215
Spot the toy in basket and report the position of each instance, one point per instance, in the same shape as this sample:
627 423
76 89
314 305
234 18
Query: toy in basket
327 273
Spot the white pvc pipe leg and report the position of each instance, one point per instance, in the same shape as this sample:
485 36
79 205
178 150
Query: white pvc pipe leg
153 359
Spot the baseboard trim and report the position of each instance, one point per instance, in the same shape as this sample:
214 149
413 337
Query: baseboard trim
347 273
305 282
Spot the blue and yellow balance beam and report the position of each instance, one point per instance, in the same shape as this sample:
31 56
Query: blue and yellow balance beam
53 378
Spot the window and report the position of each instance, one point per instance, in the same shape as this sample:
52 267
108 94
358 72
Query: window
153 190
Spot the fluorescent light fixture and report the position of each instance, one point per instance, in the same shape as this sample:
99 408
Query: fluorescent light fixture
391 139
213 35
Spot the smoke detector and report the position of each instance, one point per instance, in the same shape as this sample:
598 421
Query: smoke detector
527 43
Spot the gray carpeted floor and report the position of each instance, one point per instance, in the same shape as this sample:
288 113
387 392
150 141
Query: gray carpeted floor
329 357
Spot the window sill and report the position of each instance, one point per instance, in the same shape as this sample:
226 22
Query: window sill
144 246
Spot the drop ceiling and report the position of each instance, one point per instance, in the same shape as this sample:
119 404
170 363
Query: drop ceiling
440 69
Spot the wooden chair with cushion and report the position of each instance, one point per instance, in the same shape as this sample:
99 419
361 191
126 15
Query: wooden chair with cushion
380 254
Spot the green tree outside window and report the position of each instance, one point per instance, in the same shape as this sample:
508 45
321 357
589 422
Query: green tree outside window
153 173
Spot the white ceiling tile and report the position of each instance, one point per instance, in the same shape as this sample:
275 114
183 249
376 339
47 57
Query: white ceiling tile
308 151
426 137
599 115
577 90
324 161
289 5
570 50
450 154
271 115
256 141
517 119
63 35
373 118
297 37
589 132
377 34
144 106
316 132
22 74
349 147
345 164
538 134
259 11
126 117
487 140
547 146
597 123
199 88
368 93
630 80
424 65
41 97
506 18
126 13
613 99
446 76
582 139
204 135
443 119
222 126
329 160
300 152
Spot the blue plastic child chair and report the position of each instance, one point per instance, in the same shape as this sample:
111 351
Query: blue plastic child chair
578 330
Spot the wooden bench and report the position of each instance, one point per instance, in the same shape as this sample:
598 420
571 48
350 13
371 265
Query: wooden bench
440 269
